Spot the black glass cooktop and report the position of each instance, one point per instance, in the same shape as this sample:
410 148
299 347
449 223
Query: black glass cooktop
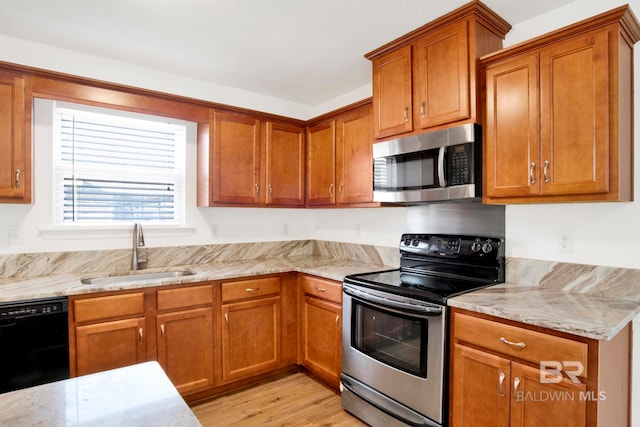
419 286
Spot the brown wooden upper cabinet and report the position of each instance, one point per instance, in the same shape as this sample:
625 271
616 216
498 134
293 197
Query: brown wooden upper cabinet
15 138
339 159
244 160
559 121
427 78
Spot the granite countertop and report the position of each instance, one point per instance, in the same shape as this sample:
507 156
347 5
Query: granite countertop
137 396
17 289
581 314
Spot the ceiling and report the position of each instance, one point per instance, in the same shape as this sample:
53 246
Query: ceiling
304 51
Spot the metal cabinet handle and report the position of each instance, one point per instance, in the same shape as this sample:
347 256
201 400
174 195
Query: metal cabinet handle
226 320
331 189
257 190
516 383
141 334
341 189
162 331
252 289
406 114
320 289
18 172
546 176
422 113
532 178
500 384
515 344
337 321
270 191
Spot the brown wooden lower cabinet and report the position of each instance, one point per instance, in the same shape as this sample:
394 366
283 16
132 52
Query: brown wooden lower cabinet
184 336
506 374
109 345
250 338
213 336
321 328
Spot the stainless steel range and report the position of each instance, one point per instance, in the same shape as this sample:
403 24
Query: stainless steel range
395 326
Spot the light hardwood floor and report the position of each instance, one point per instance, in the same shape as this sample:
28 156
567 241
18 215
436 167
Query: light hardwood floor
292 401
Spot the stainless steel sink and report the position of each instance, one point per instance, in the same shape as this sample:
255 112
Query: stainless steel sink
136 277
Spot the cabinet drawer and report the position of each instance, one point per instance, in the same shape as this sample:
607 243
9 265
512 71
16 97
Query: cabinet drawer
109 307
171 299
253 288
321 288
537 346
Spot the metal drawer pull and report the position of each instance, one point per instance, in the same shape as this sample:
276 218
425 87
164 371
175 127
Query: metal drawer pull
320 289
226 319
162 331
18 172
516 383
406 114
501 380
544 172
515 344
338 321
422 113
532 178
252 289
141 333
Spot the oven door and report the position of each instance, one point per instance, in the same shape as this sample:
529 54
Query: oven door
393 348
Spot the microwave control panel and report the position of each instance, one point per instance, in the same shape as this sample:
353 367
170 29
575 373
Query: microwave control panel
459 164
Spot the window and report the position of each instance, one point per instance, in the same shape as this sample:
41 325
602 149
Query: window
112 166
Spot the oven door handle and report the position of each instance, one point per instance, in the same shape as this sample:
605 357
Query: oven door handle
425 310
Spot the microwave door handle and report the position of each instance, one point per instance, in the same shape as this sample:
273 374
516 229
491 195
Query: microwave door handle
441 177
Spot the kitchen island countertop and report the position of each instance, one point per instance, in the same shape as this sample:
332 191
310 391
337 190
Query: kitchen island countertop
137 396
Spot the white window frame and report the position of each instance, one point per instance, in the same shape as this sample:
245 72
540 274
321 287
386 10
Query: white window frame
59 170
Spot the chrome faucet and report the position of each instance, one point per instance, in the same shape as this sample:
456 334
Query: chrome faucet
139 256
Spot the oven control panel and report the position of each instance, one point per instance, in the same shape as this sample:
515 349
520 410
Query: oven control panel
449 246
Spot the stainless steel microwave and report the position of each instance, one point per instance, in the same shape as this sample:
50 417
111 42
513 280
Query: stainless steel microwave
433 166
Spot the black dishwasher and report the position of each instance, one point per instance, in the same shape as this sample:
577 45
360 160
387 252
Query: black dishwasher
34 343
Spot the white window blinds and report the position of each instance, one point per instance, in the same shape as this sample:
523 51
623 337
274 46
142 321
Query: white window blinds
111 168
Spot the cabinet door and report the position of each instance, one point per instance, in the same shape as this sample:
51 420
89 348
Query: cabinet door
354 152
442 81
285 165
185 348
236 159
110 345
321 164
250 338
512 131
15 140
574 100
392 111
481 388
321 339
551 404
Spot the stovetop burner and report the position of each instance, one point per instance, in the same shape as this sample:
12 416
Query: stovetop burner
436 267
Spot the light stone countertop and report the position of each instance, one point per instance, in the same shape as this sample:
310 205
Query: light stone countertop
566 308
135 396
581 314
18 289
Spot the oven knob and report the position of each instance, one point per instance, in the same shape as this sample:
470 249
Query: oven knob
487 247
416 242
476 246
